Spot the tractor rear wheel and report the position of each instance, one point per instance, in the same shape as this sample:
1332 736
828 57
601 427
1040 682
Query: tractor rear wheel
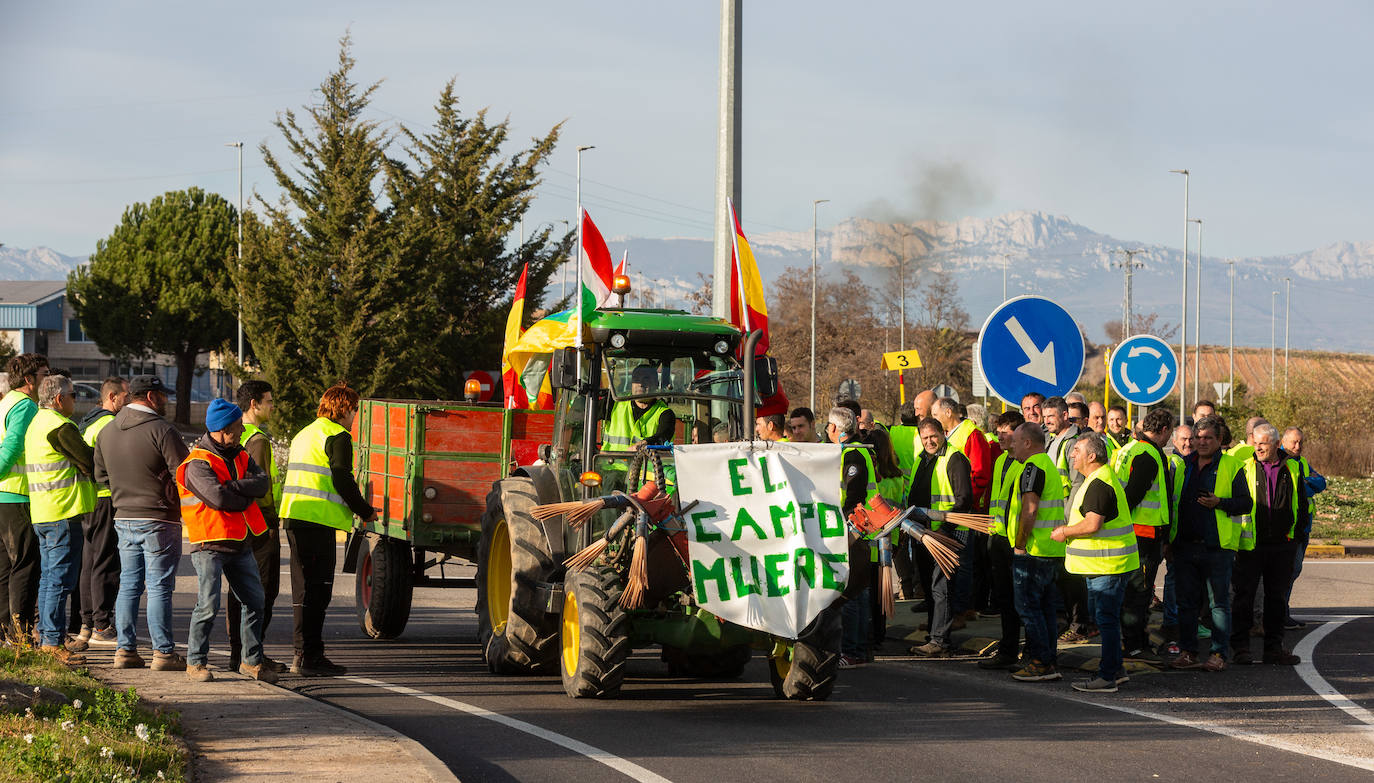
595 641
517 633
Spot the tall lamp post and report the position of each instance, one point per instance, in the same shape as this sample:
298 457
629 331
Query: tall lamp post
239 146
1287 299
1273 319
1231 310
577 294
1183 328
814 205
901 313
1197 315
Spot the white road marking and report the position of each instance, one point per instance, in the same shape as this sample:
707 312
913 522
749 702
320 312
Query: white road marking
626 768
1308 672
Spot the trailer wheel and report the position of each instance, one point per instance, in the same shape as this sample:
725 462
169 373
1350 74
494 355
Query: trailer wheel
595 641
805 670
383 586
517 633
727 664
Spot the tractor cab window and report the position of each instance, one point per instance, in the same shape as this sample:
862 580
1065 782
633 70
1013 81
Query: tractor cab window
702 390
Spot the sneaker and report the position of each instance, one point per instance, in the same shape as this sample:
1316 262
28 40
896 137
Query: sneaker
1282 657
199 672
999 662
1072 637
77 644
1036 671
104 636
1293 625
84 634
260 672
1144 654
63 655
274 664
168 662
932 650
1242 658
990 614
1122 677
323 667
1185 660
1215 663
846 662
127 659
1095 685
234 660
1169 650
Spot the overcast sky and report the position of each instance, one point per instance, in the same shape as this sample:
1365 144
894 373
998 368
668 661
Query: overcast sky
885 108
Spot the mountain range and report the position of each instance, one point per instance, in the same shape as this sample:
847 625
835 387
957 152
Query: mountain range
1042 254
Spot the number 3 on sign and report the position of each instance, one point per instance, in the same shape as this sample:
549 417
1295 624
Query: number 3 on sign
901 360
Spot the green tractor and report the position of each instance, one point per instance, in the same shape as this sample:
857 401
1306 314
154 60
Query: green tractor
535 614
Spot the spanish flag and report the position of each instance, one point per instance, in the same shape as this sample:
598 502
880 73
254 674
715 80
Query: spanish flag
748 311
510 383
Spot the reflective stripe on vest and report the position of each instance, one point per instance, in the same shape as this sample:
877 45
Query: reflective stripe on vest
1153 510
1048 516
1111 550
941 490
309 492
624 430
92 430
13 482
1253 476
249 430
1002 469
204 523
57 490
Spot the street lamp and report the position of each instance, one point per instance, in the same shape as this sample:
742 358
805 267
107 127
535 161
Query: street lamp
1273 313
577 336
239 146
1197 315
901 330
1231 309
1287 298
1183 328
814 205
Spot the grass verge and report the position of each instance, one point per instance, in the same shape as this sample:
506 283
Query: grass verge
1344 511
102 734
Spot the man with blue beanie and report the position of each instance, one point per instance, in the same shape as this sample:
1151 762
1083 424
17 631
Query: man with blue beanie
219 485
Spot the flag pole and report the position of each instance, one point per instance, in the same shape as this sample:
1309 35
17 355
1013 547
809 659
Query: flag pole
738 270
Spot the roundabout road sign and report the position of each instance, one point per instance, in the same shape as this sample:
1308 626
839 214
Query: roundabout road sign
1144 369
1030 344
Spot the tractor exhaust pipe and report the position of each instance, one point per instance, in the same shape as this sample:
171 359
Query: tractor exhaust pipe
751 340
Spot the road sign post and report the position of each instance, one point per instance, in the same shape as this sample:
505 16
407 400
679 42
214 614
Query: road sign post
1143 369
1030 344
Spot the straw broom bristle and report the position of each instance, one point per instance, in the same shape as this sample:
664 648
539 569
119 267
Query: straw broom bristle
944 556
579 517
588 555
638 583
576 512
889 609
554 509
977 522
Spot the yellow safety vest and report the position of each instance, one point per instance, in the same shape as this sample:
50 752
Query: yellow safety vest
624 431
249 430
92 430
309 492
1252 476
1177 470
1153 510
57 490
905 445
1048 516
1112 549
13 482
958 438
1241 451
1004 468
870 493
1228 527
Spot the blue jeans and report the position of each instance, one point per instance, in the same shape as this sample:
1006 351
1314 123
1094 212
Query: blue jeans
1170 599
961 591
59 554
855 618
1200 568
148 548
1105 596
1032 584
1300 541
241 571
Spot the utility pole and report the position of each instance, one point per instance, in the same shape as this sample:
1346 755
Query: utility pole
727 151
239 146
1197 316
1231 273
1273 319
814 204
1130 265
901 284
1287 298
1183 315
1005 257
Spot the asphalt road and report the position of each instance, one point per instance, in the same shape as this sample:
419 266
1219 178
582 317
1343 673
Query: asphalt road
896 719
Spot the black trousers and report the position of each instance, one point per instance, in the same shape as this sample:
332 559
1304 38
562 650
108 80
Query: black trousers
1073 591
1002 596
267 552
19 567
99 584
1272 564
312 583
1140 589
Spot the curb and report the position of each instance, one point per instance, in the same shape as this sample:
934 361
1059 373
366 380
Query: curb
1331 550
438 771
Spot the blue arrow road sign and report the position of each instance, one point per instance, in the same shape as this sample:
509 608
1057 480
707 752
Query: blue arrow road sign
1030 344
1144 369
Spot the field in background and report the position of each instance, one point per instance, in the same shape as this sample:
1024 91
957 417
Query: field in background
1344 511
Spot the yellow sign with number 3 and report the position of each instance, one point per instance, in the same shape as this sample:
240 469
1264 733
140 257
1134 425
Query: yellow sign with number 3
901 360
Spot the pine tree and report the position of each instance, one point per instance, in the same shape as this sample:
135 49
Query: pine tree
160 284
456 203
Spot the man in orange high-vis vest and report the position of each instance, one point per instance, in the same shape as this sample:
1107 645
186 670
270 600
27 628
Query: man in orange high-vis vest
219 486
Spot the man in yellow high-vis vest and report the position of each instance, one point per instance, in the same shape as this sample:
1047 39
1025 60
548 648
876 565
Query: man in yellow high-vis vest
320 497
57 465
858 485
1006 471
1035 509
1101 545
19 558
943 482
1142 469
98 585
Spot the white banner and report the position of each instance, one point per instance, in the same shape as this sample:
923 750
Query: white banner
767 542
